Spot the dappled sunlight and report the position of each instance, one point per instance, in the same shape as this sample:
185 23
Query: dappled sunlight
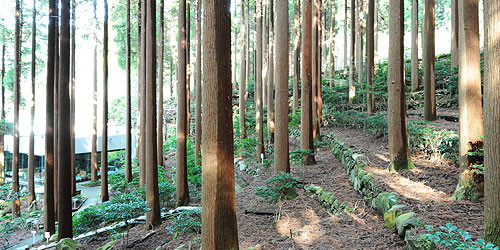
304 230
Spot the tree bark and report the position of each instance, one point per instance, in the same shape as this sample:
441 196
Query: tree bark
469 98
72 100
2 116
429 62
104 143
454 33
56 111
93 156
346 46
258 84
370 56
64 217
281 152
16 206
48 198
242 73
306 121
396 107
182 190
265 51
142 99
197 127
128 118
31 154
315 71
352 85
153 218
332 45
296 52
159 146
359 43
414 46
270 85
491 122
219 226
188 65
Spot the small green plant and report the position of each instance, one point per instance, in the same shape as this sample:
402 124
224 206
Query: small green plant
454 238
186 221
297 156
278 187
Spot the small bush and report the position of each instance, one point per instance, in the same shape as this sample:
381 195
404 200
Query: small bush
454 238
278 187
187 221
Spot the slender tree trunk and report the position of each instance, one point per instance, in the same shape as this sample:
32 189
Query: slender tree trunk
235 53
359 49
270 85
73 100
197 140
296 52
182 190
332 45
346 46
265 51
414 46
142 99
469 98
429 62
104 150
93 156
16 206
243 73
153 218
281 154
31 155
454 33
396 107
140 78
258 83
56 112
219 227
248 68
64 217
315 72
491 122
306 121
128 118
370 56
159 146
375 24
48 198
2 116
352 85
188 70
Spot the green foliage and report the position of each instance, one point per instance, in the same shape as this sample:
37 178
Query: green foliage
9 225
297 156
117 158
452 237
278 187
186 221
117 181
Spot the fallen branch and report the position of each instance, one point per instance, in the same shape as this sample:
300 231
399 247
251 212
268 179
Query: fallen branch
260 212
132 244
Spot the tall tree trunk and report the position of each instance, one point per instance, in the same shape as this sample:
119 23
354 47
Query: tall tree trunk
93 156
352 85
469 98
142 99
281 154
370 56
104 143
128 118
396 107
48 198
72 100
359 43
64 217
243 72
306 120
235 53
296 53
159 146
16 206
454 33
153 218
258 83
491 122
182 190
270 83
188 66
375 24
265 51
346 46
31 154
197 140
316 68
219 227
2 116
414 46
429 62
249 42
332 45
56 112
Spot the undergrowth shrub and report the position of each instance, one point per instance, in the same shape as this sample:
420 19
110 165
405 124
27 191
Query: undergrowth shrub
452 237
186 221
278 187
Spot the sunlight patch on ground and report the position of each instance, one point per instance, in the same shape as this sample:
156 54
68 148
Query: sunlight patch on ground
304 230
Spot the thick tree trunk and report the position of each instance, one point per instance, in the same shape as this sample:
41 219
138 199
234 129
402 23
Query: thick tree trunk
197 127
153 218
470 105
56 111
296 52
159 146
182 190
491 122
128 118
104 143
31 154
414 46
93 156
16 206
258 84
429 62
48 198
306 120
281 152
64 204
396 107
370 56
352 85
270 85
219 227
72 100
454 33
243 73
